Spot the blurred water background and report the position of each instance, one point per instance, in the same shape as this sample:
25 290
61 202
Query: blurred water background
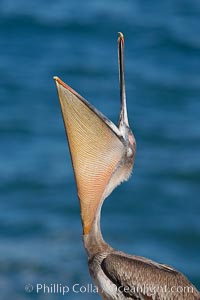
156 213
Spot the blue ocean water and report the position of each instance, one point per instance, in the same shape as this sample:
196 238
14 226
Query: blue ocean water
156 213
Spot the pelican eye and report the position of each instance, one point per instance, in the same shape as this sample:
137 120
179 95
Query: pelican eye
129 152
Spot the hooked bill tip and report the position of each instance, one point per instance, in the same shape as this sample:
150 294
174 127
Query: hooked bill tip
120 37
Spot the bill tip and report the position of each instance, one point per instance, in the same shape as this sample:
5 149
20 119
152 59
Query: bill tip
120 37
120 34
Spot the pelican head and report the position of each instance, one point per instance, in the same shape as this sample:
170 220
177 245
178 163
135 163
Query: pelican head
103 157
102 153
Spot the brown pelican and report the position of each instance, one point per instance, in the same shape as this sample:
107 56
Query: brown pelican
103 156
